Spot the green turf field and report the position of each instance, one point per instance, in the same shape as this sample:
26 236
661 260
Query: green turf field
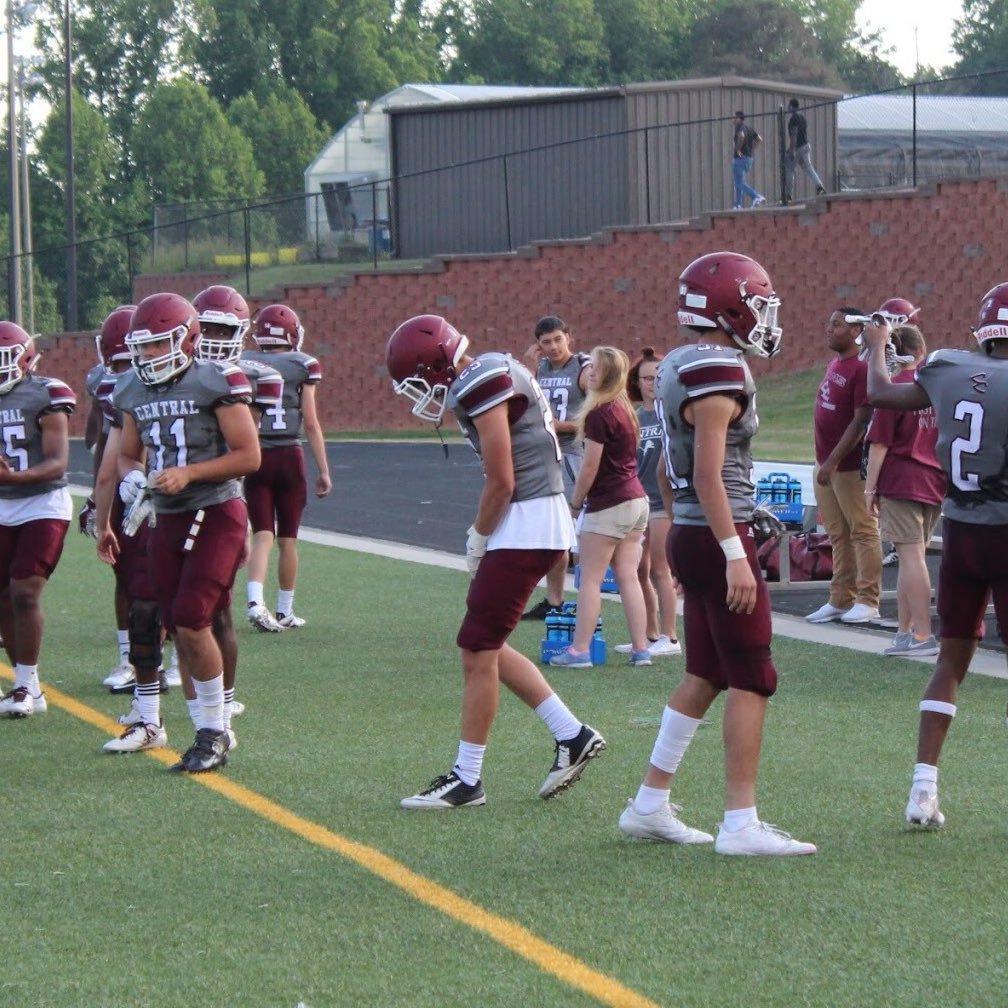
292 877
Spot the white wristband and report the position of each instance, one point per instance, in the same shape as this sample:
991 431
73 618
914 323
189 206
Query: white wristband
732 548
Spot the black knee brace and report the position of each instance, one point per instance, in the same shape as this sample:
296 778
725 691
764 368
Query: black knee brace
145 635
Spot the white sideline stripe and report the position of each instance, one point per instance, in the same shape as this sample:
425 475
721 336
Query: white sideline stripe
988 663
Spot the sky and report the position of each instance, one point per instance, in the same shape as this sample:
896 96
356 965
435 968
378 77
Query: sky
917 30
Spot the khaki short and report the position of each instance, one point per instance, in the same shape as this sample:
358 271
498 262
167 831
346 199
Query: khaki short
619 521
907 521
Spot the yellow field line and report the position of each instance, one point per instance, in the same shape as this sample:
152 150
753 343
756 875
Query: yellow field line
518 939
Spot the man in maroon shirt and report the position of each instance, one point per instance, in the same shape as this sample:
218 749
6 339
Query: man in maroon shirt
841 418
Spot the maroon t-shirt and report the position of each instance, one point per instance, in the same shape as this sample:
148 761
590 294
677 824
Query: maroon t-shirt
616 480
910 470
844 390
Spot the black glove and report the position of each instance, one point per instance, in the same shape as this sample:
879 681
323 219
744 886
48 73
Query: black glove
86 519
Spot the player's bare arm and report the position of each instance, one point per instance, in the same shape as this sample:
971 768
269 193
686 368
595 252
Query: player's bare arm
710 418
495 449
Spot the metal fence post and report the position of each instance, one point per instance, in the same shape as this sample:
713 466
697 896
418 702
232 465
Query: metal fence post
914 93
507 204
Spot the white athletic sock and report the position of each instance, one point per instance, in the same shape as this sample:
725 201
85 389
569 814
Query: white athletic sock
738 818
27 675
674 736
210 696
255 593
558 718
148 698
193 706
285 602
469 765
122 637
925 773
650 799
228 700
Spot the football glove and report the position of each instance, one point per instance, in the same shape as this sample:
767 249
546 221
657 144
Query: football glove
476 547
86 519
132 484
765 523
140 511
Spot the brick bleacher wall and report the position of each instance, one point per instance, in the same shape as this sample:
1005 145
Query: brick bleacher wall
942 247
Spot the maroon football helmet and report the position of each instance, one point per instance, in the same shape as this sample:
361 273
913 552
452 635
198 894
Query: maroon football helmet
422 357
224 319
111 341
17 355
277 325
898 311
157 318
733 293
992 321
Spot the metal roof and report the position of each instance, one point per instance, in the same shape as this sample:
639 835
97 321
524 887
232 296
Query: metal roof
938 113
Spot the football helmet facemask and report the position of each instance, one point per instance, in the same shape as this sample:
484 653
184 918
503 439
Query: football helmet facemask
733 293
422 357
111 341
277 325
157 318
992 320
224 319
17 355
898 311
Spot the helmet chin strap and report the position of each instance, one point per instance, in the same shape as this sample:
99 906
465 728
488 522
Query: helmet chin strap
444 444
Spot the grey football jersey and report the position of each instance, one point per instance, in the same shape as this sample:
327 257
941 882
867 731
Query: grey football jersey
283 424
94 378
969 392
178 427
21 436
686 375
495 378
648 450
564 393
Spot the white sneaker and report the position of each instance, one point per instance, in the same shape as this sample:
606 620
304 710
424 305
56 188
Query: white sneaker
132 716
121 677
623 649
19 703
860 613
759 201
663 824
825 614
665 646
922 808
237 707
138 737
290 621
760 838
262 619
232 740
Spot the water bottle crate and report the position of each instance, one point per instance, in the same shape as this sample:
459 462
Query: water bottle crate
608 582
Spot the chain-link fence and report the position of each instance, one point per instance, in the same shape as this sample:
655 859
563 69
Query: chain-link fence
903 137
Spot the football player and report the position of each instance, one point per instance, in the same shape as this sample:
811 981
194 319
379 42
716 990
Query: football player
277 493
706 402
562 374
522 527
189 423
969 393
224 320
113 359
35 507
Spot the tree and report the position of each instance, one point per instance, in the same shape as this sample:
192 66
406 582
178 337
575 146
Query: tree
284 135
646 39
121 48
528 42
980 38
187 150
758 38
104 207
333 52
